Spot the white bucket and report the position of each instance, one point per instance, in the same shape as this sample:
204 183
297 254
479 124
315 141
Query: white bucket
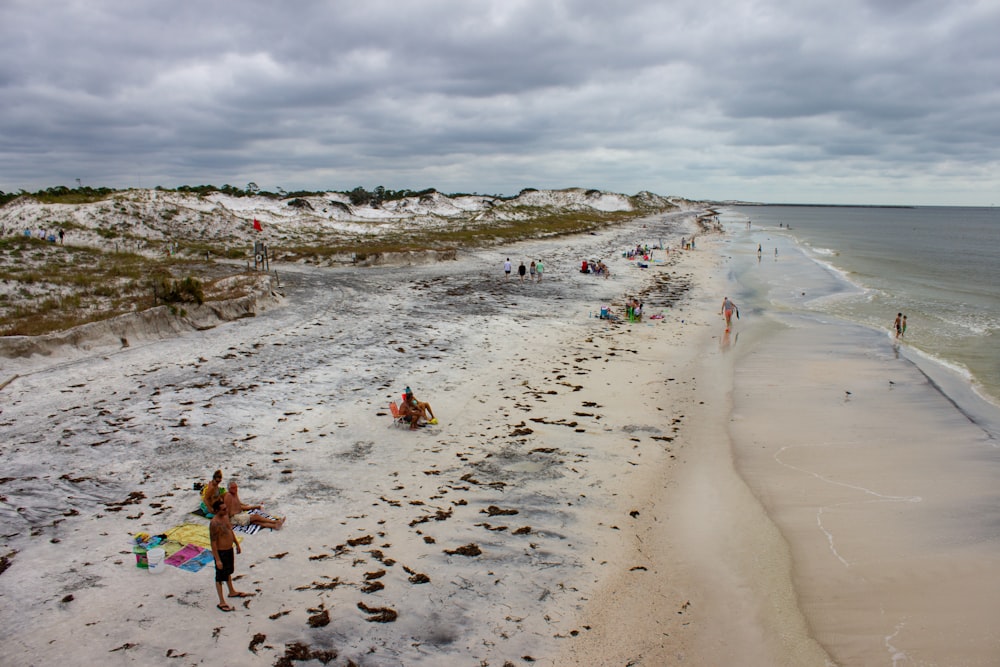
155 559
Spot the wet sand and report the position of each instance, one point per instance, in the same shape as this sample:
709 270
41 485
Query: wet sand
886 495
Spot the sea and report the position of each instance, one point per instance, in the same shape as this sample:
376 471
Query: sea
938 266
876 456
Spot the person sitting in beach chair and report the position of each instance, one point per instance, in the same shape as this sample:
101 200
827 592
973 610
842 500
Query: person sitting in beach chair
239 512
409 414
421 408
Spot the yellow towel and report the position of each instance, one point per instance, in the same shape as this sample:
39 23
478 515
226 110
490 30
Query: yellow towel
192 533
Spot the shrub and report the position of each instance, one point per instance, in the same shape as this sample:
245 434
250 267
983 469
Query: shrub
177 291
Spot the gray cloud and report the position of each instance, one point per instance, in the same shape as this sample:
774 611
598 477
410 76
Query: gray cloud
868 102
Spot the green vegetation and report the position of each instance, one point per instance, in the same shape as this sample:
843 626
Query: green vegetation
532 223
46 287
168 290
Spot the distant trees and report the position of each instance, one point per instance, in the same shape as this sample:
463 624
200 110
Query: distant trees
60 194
359 196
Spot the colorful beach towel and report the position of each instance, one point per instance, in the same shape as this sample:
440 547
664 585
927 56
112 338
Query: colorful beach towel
183 555
196 563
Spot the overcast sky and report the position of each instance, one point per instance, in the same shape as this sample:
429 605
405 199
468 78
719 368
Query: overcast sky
853 101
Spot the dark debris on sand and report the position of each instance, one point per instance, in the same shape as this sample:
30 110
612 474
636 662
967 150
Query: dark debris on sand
378 614
299 652
467 550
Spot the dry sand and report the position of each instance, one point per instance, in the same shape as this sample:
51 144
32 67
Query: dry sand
566 510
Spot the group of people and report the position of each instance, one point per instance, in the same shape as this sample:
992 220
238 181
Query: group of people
643 251
534 271
51 237
900 325
598 268
633 310
224 507
415 412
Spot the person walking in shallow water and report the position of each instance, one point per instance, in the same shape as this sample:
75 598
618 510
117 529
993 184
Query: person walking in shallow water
898 325
728 308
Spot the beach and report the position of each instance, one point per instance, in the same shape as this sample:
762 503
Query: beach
490 533
595 493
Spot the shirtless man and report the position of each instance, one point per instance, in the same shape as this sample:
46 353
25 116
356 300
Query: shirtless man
223 540
239 511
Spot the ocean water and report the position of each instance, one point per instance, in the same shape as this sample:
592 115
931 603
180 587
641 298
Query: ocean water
877 459
939 266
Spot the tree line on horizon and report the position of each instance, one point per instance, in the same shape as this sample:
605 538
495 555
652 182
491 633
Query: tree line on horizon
359 196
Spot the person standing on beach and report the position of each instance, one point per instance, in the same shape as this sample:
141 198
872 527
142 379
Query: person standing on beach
531 271
506 268
898 325
223 540
522 270
728 307
539 268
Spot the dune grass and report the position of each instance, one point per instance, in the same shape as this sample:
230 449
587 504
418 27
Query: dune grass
46 287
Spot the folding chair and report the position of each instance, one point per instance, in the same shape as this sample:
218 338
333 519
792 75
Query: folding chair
397 417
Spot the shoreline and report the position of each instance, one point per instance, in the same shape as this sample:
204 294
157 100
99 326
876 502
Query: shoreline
703 599
876 474
625 484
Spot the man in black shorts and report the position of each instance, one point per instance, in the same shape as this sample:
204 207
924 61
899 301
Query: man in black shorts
224 540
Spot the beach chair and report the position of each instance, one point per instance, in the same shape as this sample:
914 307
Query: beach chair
397 417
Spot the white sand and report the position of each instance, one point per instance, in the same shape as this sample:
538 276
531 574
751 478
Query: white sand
580 426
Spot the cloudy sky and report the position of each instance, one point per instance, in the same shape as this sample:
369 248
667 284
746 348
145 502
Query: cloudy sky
854 101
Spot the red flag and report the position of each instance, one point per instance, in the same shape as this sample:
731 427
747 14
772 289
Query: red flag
256 225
